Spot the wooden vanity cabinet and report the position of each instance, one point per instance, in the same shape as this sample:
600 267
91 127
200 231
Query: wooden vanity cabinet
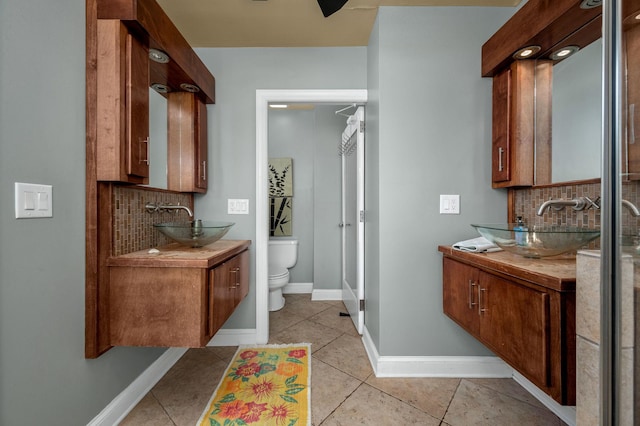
528 325
122 150
228 285
178 298
521 125
187 142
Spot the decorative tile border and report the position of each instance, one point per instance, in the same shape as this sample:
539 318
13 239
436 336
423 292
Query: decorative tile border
133 226
528 200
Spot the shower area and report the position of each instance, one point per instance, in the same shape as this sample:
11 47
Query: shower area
304 147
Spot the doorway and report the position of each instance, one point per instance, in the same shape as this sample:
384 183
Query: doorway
263 98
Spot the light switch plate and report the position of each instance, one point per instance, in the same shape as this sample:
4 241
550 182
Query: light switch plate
33 201
237 206
450 204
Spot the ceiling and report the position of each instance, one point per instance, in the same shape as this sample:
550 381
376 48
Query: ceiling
286 23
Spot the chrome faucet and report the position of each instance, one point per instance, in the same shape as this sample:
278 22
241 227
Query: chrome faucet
577 204
632 208
155 207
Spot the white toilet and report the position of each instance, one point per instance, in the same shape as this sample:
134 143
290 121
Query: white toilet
283 254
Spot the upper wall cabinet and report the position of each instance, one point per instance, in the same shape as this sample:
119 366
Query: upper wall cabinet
138 46
187 143
522 88
122 105
521 125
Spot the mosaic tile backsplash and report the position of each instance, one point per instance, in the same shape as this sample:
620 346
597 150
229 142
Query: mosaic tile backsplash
528 200
133 226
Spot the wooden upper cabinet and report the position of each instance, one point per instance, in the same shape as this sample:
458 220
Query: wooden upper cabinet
521 127
122 150
187 142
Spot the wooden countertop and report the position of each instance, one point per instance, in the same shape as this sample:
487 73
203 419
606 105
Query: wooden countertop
556 273
178 256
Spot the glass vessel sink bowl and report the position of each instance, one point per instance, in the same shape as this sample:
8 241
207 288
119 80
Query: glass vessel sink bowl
537 240
195 233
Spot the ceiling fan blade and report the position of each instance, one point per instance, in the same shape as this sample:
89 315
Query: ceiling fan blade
329 7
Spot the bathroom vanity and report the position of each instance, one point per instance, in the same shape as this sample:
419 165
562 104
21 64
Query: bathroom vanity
522 309
178 296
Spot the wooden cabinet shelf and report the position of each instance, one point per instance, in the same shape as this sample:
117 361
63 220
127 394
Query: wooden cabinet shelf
179 297
528 322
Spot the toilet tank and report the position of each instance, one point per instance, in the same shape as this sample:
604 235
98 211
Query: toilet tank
283 251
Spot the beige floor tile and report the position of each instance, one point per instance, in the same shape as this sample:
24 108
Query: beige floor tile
431 395
329 388
474 404
346 353
280 320
331 318
370 406
148 412
306 332
185 390
510 388
303 307
225 353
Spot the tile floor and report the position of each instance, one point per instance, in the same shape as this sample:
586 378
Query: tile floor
344 390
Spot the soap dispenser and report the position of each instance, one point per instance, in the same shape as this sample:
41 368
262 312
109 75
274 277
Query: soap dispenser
520 230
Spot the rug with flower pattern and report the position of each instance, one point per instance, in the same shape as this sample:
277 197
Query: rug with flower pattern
263 385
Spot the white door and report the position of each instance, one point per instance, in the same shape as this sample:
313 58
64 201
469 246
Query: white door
352 225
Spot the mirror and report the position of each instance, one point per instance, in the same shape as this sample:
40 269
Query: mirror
158 140
577 115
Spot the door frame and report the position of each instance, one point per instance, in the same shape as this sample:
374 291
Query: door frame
263 98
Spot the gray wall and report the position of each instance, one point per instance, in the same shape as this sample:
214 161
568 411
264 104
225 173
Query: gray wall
44 376
429 121
239 73
311 138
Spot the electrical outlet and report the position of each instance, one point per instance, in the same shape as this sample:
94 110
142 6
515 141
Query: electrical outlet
450 204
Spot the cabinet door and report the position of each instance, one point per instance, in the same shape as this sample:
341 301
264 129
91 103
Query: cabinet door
201 146
521 128
137 107
515 323
500 126
187 142
222 291
122 105
460 303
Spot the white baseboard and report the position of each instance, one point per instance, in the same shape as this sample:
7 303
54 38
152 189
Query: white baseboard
234 337
453 366
122 404
434 366
320 294
565 412
297 288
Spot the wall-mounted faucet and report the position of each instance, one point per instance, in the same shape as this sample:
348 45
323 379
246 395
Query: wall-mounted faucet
580 203
155 207
632 208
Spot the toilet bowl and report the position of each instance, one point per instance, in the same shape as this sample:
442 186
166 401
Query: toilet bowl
283 254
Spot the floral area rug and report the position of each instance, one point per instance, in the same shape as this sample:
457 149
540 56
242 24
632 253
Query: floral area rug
263 385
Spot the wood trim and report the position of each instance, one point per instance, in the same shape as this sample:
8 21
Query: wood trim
91 185
148 19
539 22
511 205
542 137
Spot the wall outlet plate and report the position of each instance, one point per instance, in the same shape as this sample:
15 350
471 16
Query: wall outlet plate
237 206
450 204
33 201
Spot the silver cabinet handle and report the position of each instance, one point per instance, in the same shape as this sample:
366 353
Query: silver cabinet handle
500 165
481 310
204 170
146 142
471 286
